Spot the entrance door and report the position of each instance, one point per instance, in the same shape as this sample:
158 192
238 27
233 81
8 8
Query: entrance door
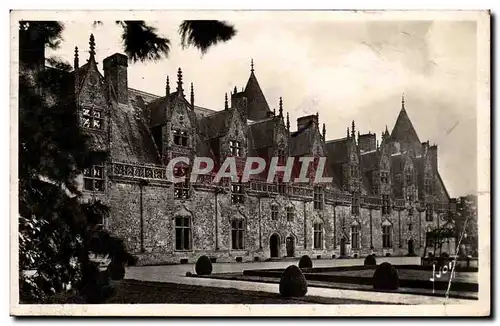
274 243
290 247
410 247
342 247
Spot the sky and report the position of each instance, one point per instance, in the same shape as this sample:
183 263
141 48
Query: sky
343 69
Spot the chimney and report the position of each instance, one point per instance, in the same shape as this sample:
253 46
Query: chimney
302 122
434 157
239 101
367 142
115 73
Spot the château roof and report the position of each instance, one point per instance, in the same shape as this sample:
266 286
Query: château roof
257 107
403 129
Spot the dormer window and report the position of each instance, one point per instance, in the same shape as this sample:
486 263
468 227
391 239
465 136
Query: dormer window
180 137
318 198
235 148
384 177
92 118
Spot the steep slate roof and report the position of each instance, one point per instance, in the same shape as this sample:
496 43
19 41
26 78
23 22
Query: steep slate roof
403 129
257 107
337 150
262 132
214 125
369 161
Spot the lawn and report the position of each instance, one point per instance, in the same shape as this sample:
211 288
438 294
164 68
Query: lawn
410 274
132 291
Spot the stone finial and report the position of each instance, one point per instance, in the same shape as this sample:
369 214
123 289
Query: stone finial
403 101
235 90
92 45
76 63
281 107
287 121
353 129
324 131
226 106
179 82
251 66
167 87
347 132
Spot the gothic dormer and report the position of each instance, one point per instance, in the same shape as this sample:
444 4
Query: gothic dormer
92 101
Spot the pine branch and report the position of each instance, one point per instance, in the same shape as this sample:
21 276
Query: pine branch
203 34
142 43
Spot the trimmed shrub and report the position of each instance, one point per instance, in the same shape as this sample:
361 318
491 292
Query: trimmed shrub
355 255
203 266
239 259
445 255
318 257
184 261
388 254
189 274
370 261
385 277
116 271
333 256
305 262
293 283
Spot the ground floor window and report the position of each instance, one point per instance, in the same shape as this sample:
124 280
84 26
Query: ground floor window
318 235
182 233
237 234
387 236
93 178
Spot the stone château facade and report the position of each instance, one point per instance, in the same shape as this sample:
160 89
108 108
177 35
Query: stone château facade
383 198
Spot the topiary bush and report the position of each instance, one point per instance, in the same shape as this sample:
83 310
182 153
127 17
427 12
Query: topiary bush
116 270
385 277
355 255
388 254
203 266
305 262
293 283
370 260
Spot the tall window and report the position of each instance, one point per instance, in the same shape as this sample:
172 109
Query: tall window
387 236
290 214
237 193
355 204
429 213
180 137
274 212
93 178
235 148
92 118
181 189
428 185
318 235
182 233
384 177
281 156
237 234
318 198
355 236
386 204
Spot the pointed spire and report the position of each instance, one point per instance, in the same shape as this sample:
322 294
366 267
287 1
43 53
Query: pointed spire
251 66
347 132
353 129
76 62
167 87
377 145
226 106
287 121
192 96
324 131
281 106
92 46
179 82
317 117
403 101
274 111
235 90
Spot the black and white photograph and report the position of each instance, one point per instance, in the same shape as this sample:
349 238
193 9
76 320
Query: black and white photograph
250 163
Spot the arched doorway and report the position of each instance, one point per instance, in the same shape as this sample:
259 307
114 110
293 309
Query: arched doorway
290 246
274 245
411 250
